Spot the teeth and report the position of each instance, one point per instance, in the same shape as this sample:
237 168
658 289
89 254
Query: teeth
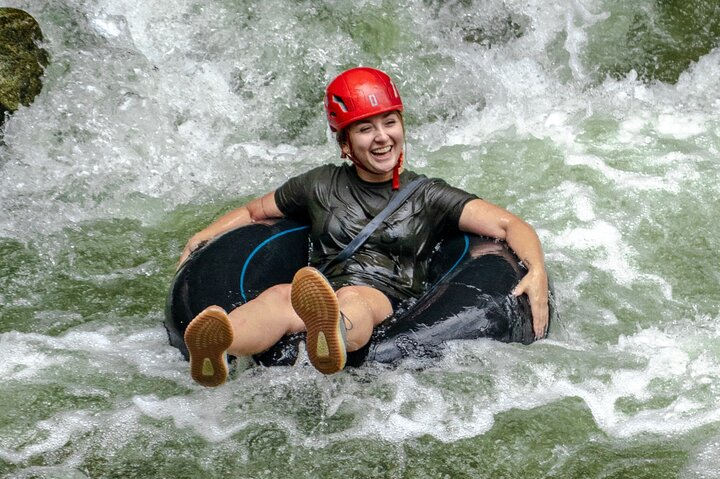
381 151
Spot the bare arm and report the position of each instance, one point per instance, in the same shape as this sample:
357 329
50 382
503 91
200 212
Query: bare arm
483 218
258 209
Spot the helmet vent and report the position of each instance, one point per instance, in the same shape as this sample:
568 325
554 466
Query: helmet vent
340 102
394 90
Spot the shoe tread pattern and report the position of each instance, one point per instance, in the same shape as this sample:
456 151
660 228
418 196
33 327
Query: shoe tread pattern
316 303
207 338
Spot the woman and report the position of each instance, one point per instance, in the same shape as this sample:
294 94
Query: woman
340 308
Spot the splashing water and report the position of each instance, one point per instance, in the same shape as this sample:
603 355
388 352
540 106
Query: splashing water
596 121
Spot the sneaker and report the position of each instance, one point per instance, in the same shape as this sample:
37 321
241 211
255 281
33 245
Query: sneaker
207 337
316 303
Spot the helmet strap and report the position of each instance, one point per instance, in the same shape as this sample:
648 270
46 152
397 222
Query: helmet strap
396 172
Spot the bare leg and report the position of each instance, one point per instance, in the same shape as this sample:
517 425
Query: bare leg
260 323
364 308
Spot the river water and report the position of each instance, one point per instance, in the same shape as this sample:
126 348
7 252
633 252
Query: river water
595 120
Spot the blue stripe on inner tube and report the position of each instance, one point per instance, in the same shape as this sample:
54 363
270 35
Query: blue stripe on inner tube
465 250
258 248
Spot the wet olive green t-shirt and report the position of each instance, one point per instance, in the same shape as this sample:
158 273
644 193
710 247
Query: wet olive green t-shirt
338 204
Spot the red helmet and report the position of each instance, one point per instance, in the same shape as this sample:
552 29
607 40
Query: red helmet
359 93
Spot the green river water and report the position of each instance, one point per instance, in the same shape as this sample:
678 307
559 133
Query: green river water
594 120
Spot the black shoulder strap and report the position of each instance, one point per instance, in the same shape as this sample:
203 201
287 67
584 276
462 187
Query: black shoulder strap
392 206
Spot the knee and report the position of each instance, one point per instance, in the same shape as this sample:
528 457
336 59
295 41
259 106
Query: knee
348 293
351 295
276 294
370 299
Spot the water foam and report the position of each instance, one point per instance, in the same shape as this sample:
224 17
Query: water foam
171 92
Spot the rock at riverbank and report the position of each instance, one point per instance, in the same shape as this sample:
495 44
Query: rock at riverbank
22 61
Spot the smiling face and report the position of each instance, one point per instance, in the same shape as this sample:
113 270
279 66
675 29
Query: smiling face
376 143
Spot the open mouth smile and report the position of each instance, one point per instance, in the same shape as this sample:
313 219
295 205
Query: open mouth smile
381 151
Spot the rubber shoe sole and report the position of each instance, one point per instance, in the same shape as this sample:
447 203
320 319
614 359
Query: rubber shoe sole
207 337
315 302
